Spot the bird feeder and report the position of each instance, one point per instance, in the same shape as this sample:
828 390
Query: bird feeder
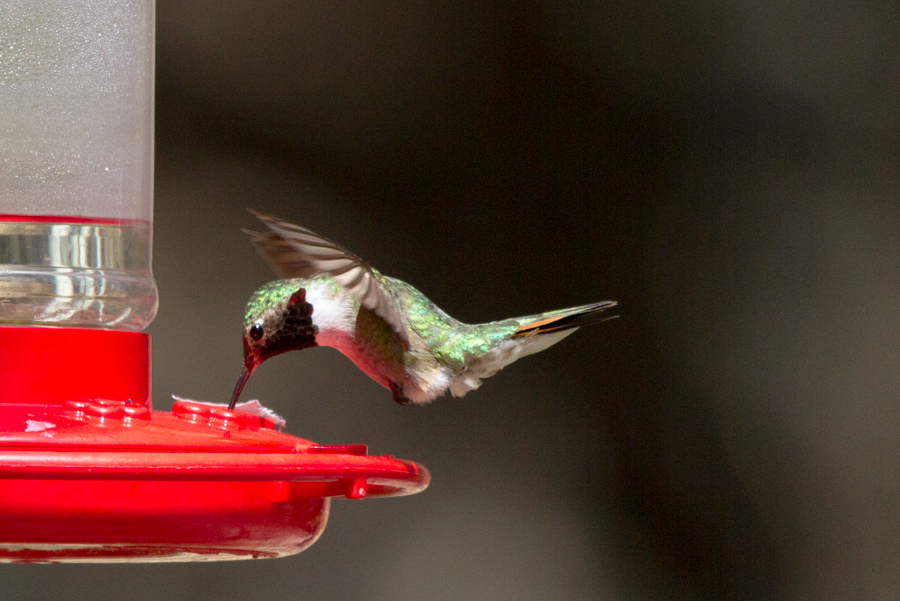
88 471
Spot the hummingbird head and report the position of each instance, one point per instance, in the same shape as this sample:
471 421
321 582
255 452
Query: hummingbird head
279 319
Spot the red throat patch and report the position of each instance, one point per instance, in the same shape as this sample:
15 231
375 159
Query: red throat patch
298 297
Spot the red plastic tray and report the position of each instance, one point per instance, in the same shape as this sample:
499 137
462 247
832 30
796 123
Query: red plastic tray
86 476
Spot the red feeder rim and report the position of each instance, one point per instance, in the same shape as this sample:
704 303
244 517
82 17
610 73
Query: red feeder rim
88 472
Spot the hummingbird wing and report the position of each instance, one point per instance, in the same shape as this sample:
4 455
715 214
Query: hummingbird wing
296 252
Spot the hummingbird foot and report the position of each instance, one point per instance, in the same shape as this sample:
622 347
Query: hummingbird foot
397 391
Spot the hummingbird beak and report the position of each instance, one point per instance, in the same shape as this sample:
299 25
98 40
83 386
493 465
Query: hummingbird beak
242 379
251 362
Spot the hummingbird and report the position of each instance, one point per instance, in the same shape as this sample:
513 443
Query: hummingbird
328 296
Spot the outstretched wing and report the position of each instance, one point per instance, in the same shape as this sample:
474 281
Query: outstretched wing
296 252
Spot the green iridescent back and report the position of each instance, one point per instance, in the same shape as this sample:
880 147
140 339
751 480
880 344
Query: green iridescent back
451 341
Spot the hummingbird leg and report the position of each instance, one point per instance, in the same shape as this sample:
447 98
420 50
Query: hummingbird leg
397 391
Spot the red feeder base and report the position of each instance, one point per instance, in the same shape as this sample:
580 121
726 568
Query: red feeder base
100 477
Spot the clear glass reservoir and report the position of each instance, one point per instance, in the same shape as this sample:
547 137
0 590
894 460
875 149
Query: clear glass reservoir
76 163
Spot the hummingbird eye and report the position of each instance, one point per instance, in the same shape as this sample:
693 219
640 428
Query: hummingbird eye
256 332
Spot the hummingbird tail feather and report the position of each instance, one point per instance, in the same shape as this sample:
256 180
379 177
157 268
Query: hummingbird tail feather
565 319
533 334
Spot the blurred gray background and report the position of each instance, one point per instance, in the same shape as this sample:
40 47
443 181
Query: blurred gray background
729 173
